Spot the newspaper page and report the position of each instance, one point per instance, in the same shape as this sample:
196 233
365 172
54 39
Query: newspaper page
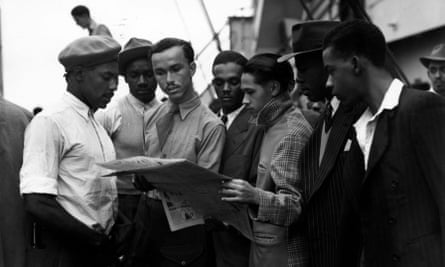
179 213
187 181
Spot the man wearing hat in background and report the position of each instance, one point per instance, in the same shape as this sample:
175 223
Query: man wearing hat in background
322 159
435 63
72 207
126 121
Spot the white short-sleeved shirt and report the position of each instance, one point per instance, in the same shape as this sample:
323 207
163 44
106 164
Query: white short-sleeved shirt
62 146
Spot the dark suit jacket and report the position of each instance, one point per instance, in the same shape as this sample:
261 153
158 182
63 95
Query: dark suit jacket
400 201
323 185
239 160
13 120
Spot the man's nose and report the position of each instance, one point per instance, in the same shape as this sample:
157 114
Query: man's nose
246 100
330 82
141 79
113 83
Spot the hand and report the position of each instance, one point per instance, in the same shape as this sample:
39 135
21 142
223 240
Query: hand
238 190
141 183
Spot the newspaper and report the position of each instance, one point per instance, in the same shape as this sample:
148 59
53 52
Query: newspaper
188 191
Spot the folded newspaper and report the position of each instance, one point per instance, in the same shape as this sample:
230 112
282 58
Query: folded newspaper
188 192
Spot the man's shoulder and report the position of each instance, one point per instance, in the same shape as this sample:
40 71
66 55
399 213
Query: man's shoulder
13 111
416 100
208 116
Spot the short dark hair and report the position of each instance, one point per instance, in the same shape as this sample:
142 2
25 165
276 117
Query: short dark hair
167 43
79 11
360 37
265 68
229 56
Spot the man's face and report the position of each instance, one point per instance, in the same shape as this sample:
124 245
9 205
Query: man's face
346 86
82 21
255 95
140 79
174 74
99 84
436 73
312 77
227 84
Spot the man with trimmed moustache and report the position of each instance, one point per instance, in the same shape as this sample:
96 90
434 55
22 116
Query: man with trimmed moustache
435 64
181 128
71 205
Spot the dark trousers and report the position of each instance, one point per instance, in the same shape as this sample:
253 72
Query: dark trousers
52 249
231 248
155 245
128 205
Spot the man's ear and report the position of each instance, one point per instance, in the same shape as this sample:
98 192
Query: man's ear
357 65
78 75
275 88
193 68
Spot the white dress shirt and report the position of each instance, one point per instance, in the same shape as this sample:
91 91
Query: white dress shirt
232 116
62 146
366 124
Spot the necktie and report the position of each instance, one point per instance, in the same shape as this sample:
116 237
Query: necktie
328 118
164 125
224 119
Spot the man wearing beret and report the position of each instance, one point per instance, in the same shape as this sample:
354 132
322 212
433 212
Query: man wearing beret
323 156
72 207
126 121
435 63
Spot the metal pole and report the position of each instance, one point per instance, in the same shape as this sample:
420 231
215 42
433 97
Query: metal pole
307 10
209 21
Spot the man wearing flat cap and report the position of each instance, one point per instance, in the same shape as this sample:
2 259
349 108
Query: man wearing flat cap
322 159
126 121
72 207
435 64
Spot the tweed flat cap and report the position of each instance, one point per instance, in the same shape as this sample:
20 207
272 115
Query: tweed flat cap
308 37
89 51
135 48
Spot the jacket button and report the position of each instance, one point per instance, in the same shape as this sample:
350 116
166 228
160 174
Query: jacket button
394 184
395 257
391 220
183 263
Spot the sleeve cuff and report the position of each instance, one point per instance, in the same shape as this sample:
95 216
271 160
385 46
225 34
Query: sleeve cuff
38 184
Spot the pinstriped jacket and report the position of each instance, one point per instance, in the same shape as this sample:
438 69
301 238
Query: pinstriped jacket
280 199
323 185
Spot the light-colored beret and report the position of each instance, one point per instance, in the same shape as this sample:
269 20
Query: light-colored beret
89 51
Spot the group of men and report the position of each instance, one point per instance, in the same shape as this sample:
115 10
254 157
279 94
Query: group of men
359 186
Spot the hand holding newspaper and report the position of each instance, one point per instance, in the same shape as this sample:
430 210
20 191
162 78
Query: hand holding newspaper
188 191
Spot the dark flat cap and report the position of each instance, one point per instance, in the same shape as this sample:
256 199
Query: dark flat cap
89 51
438 54
135 48
308 37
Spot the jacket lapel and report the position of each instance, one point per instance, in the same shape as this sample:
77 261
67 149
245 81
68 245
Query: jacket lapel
238 130
380 141
342 123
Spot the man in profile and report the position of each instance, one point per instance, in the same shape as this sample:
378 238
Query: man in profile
81 15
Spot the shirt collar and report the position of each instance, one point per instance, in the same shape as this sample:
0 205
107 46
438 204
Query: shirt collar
335 103
390 101
187 107
79 106
139 105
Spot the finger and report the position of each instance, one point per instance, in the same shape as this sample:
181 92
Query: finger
229 193
232 199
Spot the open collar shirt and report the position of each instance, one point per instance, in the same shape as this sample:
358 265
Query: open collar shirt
197 135
62 146
366 124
